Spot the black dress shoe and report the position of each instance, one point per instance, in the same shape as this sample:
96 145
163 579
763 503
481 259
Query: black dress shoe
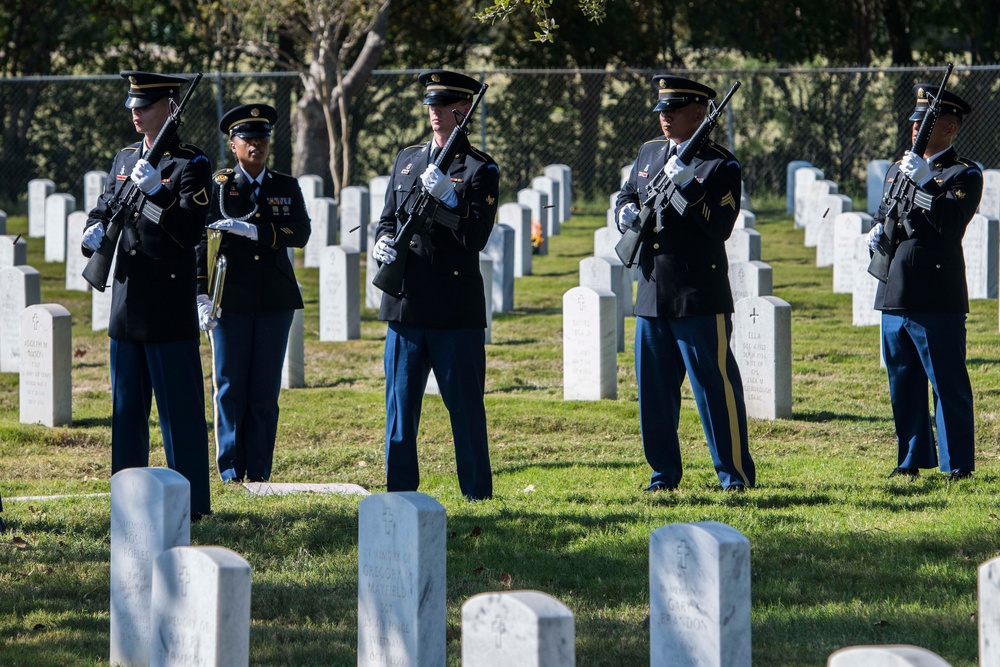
736 488
659 486
233 480
905 472
956 475
253 480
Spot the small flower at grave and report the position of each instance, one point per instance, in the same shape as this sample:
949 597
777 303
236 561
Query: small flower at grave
536 236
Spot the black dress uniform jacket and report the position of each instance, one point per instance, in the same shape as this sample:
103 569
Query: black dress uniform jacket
259 275
683 268
154 295
442 284
928 270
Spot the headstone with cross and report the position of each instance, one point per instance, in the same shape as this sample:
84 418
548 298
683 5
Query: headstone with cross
339 294
13 249
46 365
522 628
150 513
590 364
753 278
743 245
847 227
20 287
323 218
401 580
699 596
609 273
200 608
762 344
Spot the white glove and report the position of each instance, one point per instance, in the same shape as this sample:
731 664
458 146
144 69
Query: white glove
439 186
146 177
384 252
92 236
874 235
915 168
677 171
205 320
627 215
237 227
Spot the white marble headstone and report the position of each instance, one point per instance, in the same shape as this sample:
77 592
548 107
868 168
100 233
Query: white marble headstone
863 313
816 192
311 186
500 249
3 222
743 245
790 170
980 248
293 368
402 601
590 370
750 279
988 587
519 629
830 207
38 190
323 215
699 596
899 655
625 172
46 365
518 217
75 261
877 170
58 206
989 204
373 295
354 216
608 273
13 251
563 175
100 302
605 240
340 294
553 191
486 271
93 188
746 219
804 176
847 227
200 608
377 188
762 343
537 202
150 513
20 287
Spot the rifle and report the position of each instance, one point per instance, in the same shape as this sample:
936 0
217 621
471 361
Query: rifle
662 191
423 212
904 195
128 201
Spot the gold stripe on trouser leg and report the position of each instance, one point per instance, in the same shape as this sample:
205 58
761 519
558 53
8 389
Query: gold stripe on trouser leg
734 421
215 394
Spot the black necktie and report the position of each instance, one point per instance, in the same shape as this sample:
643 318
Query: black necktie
434 154
253 191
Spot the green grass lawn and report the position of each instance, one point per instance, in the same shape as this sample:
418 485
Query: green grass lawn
840 554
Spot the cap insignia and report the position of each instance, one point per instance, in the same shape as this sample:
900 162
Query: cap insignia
132 80
663 84
435 78
255 112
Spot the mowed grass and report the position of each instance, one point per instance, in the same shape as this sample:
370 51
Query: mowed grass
840 554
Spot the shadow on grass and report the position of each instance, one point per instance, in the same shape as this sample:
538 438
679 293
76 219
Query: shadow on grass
826 415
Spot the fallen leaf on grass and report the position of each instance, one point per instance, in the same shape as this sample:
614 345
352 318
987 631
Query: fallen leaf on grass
362 464
19 543
79 352
506 579
528 489
993 516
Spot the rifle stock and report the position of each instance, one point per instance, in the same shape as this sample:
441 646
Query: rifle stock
662 191
422 213
903 193
128 202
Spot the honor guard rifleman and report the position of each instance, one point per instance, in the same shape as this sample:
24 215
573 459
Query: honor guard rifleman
925 298
439 322
684 304
257 214
154 321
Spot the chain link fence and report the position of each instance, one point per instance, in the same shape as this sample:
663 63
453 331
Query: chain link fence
594 121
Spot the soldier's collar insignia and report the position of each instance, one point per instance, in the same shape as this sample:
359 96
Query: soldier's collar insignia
959 194
490 200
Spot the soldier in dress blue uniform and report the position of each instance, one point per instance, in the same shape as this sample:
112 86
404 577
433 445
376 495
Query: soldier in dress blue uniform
154 321
684 304
925 299
439 323
261 214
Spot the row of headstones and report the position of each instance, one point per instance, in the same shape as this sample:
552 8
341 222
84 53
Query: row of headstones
594 314
839 234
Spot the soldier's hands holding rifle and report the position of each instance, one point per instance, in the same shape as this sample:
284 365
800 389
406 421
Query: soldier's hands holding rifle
677 171
875 237
146 177
205 319
627 216
92 236
915 168
384 252
439 186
